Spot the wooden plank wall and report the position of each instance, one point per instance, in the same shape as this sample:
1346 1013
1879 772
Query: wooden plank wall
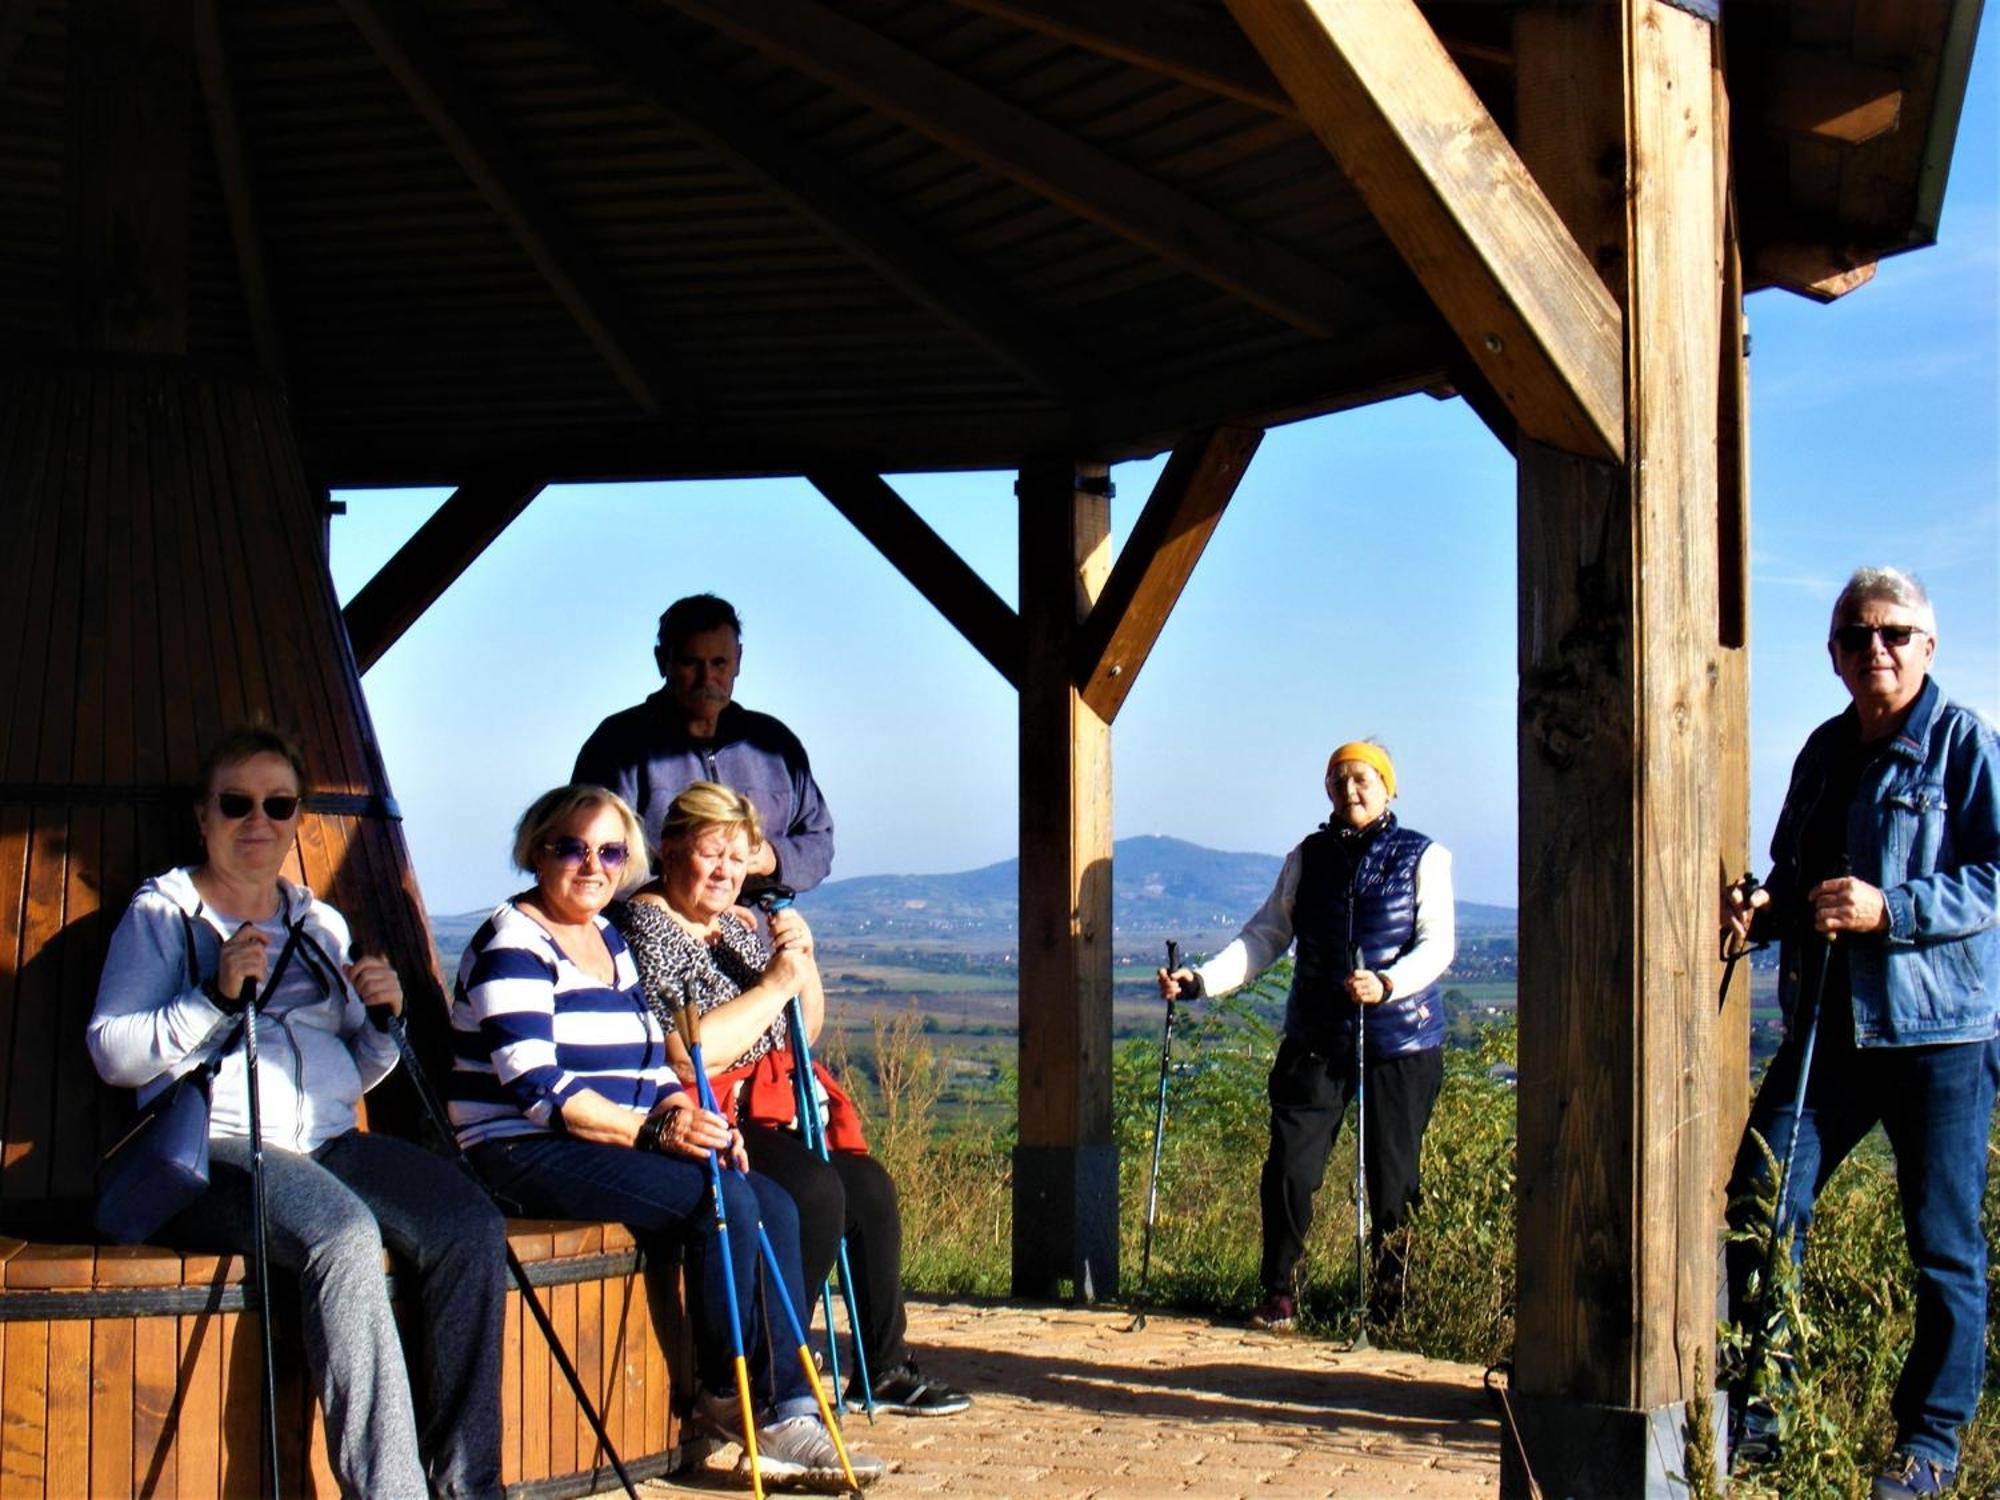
166 581
166 1404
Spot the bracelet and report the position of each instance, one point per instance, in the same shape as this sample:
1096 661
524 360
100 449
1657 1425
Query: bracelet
651 1129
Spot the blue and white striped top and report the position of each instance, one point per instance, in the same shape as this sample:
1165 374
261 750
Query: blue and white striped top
531 1029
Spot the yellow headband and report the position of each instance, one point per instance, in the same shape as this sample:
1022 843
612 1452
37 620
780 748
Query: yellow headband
1368 755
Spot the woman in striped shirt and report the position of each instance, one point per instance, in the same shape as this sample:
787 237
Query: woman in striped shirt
563 1096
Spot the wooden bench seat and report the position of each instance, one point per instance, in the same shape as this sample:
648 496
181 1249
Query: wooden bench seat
132 1370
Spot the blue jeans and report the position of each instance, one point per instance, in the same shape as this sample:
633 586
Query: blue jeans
330 1215
664 1201
1935 1104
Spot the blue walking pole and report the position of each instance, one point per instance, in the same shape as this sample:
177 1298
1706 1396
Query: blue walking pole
812 1129
689 1023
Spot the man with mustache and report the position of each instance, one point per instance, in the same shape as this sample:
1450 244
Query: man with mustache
691 730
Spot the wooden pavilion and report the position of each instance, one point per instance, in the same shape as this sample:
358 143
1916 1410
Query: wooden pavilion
250 252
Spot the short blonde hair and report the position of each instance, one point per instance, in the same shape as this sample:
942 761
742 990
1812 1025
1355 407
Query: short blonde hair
703 805
557 806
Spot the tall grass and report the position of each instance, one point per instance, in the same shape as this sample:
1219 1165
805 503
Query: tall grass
1849 1312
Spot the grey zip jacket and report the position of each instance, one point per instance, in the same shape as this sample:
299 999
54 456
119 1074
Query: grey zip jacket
317 1054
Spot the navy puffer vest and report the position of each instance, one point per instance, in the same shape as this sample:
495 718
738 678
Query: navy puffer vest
1358 886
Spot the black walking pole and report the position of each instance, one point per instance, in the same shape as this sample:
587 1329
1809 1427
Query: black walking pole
260 1233
1159 1139
413 1068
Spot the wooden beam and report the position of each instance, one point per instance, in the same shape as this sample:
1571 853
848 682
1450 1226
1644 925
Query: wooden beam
427 564
1622 707
470 132
1002 137
1820 272
906 253
1158 559
927 561
1066 1166
1383 96
232 165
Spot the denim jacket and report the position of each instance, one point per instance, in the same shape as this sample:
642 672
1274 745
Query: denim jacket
1924 827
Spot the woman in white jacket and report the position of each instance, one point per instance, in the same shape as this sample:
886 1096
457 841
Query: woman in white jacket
172 994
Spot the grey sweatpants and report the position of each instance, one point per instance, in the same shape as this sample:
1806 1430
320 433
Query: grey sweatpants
330 1215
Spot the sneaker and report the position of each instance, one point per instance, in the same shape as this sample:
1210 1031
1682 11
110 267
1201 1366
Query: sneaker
906 1393
1278 1313
1910 1474
798 1451
715 1423
1756 1445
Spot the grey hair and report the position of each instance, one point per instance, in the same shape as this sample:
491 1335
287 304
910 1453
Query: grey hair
1893 584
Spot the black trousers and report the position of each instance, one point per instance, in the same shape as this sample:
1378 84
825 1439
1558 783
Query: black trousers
852 1193
1309 1094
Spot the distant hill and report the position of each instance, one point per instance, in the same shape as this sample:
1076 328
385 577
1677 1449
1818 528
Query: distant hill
1160 887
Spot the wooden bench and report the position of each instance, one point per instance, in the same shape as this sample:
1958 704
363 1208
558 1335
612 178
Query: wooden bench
135 1371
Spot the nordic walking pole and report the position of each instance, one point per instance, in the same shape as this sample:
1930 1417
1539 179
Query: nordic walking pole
1360 1146
689 1025
1731 956
1780 1219
1159 1139
260 1231
434 1111
688 1019
812 1129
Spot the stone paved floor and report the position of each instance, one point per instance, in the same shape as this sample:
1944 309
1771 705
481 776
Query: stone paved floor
1070 1405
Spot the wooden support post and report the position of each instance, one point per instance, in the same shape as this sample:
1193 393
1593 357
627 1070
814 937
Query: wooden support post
1066 1166
1621 807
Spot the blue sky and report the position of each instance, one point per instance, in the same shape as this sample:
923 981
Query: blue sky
1361 583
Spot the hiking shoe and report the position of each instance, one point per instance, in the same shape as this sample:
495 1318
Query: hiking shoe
1279 1313
906 1393
798 1451
715 1423
1911 1474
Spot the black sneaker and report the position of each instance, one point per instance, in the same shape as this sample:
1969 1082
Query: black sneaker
904 1392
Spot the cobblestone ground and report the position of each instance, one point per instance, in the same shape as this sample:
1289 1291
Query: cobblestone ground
1070 1405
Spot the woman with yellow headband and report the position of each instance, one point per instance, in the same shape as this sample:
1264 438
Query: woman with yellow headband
1369 903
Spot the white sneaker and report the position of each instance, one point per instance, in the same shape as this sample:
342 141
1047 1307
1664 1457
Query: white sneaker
799 1451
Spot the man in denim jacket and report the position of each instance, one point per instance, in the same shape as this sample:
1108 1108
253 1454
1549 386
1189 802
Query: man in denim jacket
1884 895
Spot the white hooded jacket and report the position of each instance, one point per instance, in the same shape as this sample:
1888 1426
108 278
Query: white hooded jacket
317 1054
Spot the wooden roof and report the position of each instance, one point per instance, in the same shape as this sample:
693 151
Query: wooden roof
600 238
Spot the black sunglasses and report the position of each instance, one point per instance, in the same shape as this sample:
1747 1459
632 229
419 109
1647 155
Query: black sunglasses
570 850
1854 639
234 805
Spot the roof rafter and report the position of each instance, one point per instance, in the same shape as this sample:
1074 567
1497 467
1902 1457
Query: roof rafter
930 565
1208 53
232 164
432 559
932 100
965 294
1156 562
1467 216
503 179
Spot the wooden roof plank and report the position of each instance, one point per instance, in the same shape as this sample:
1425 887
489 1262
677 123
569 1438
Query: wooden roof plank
426 565
933 569
1448 188
906 253
1156 562
1027 149
232 165
496 168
